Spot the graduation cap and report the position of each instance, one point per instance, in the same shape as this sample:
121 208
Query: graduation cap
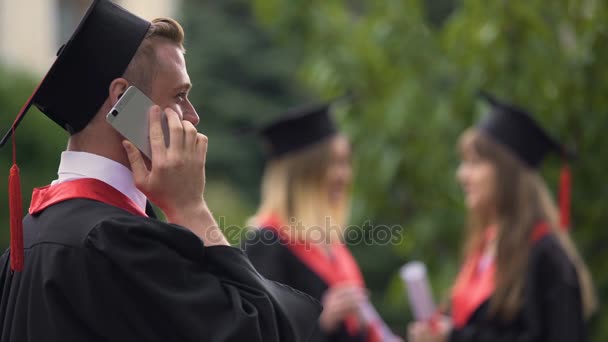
98 52
298 128
76 85
516 129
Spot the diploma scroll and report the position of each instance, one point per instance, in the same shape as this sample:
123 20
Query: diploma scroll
414 277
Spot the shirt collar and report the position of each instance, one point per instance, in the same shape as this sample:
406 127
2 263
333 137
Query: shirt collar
76 165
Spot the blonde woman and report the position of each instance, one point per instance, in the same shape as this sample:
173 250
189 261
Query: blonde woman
522 278
304 208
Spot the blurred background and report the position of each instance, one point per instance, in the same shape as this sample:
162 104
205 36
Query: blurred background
413 68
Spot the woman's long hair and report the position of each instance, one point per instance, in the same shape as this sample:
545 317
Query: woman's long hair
295 188
521 200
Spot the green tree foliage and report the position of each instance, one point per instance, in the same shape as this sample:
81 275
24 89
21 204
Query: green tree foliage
39 143
241 80
414 78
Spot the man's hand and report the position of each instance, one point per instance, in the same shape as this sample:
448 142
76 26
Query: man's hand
176 179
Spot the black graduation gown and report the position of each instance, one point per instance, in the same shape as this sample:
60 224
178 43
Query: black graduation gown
275 261
551 310
95 272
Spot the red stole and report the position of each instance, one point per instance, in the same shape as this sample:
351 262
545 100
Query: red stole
473 287
339 269
85 188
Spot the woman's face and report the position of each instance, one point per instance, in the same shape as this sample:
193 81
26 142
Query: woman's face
339 174
477 176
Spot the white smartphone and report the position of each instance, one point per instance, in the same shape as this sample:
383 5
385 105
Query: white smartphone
129 117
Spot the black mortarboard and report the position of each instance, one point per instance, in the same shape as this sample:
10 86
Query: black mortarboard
77 83
298 128
519 132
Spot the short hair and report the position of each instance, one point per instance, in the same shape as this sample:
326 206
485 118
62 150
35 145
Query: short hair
142 68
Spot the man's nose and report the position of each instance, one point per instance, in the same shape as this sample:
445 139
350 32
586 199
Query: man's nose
191 115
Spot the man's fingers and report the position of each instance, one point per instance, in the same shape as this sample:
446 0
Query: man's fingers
138 165
190 135
201 145
157 139
176 130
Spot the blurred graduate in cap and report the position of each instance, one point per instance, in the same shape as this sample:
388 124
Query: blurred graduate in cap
301 220
522 278
87 263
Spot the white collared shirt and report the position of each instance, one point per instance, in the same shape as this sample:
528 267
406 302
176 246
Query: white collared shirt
76 165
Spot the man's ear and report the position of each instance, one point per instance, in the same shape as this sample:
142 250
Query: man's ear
117 88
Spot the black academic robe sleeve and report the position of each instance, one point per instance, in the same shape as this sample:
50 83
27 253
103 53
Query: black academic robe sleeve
136 279
273 259
551 310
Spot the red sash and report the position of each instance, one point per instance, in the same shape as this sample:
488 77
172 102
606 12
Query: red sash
339 269
86 188
473 288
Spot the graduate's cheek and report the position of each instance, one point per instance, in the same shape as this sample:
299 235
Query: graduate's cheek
462 176
474 179
483 180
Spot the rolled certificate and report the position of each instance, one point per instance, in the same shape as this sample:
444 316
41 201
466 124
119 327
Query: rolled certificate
414 277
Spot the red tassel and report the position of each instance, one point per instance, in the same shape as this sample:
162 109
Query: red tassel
16 217
16 214
15 202
564 196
